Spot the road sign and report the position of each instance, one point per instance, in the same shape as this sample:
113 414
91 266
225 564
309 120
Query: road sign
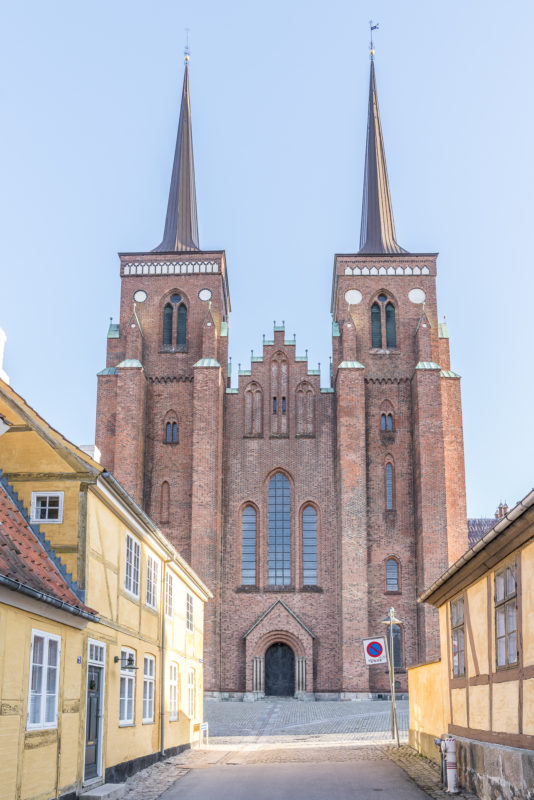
375 650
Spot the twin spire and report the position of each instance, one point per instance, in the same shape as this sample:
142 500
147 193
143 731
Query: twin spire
377 233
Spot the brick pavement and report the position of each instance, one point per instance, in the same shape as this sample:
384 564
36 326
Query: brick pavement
288 731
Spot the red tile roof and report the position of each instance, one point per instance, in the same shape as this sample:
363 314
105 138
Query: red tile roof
23 558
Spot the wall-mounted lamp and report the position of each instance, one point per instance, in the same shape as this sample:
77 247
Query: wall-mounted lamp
126 663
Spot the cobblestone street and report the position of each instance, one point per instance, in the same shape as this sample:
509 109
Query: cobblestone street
247 740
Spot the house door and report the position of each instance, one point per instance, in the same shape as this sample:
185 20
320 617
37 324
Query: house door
93 729
280 670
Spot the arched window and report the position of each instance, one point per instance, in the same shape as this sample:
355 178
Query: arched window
253 410
248 546
389 422
383 422
181 333
397 647
392 575
309 546
279 393
391 334
164 502
376 325
389 486
167 325
171 432
279 542
305 410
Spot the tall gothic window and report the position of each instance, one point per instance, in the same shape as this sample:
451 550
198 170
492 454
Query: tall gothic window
279 393
383 323
392 575
279 542
389 486
248 546
171 433
397 647
167 325
309 546
175 308
386 422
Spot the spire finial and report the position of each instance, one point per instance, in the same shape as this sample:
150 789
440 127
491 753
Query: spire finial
371 45
187 51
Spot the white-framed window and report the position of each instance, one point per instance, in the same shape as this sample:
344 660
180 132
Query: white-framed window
173 691
191 693
127 688
189 611
169 593
149 675
131 572
44 680
96 652
47 507
152 580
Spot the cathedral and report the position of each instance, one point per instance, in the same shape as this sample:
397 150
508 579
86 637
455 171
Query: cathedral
307 510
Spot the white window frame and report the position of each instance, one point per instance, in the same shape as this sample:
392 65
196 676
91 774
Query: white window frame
174 682
152 581
132 572
191 693
43 723
149 688
189 613
169 594
128 675
33 508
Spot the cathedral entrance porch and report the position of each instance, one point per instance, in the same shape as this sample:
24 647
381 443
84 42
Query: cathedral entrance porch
279 670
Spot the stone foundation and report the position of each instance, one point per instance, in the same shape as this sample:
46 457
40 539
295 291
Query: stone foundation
493 771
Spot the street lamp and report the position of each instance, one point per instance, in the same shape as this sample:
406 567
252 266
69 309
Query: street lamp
392 620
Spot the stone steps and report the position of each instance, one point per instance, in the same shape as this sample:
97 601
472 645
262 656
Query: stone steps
106 791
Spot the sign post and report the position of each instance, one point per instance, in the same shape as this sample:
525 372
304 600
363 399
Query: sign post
391 620
375 650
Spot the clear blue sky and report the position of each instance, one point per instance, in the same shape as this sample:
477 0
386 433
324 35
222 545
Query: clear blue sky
88 115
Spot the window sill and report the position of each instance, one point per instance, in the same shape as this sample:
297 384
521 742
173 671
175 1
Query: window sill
46 521
279 436
396 591
130 595
379 351
312 588
172 444
304 436
279 589
126 724
247 588
253 436
153 609
148 722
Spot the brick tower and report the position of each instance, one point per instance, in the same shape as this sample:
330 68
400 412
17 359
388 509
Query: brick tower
308 511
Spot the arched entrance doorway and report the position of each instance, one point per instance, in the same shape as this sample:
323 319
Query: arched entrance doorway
280 670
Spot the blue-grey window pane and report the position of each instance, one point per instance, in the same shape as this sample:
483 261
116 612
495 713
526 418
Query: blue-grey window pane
391 334
182 325
167 324
279 538
376 326
392 575
248 546
309 546
389 487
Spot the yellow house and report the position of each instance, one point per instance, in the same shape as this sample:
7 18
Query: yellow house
481 692
129 669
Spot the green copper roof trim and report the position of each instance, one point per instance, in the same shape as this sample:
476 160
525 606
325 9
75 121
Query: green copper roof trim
207 362
427 365
301 358
113 331
224 329
447 373
314 372
108 371
130 362
443 330
230 390
351 365
244 372
291 341
259 359
279 328
327 390
268 341
335 329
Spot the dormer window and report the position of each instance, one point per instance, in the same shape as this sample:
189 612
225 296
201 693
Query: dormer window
47 507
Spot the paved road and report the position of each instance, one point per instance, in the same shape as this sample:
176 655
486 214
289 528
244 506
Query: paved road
360 780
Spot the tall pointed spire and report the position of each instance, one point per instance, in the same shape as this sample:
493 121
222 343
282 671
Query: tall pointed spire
377 234
181 226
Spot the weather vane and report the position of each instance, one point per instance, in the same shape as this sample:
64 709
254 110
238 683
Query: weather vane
372 28
187 51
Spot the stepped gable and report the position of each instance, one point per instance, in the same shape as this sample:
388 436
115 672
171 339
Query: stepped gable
24 560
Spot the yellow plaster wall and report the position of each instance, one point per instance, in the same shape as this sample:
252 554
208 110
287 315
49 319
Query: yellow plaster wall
528 707
479 705
505 707
427 692
477 598
527 585
459 707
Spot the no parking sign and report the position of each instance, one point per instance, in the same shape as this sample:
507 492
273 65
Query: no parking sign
375 650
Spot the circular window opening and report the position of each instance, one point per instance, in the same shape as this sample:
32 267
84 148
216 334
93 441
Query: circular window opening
176 298
382 298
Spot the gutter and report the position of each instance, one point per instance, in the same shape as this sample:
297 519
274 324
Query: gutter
15 586
519 509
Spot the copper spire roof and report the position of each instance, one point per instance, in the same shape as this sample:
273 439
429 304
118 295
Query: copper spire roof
377 234
181 227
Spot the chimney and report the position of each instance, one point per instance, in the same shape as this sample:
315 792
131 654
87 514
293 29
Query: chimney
502 511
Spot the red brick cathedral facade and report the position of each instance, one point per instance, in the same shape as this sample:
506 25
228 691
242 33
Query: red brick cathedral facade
308 511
